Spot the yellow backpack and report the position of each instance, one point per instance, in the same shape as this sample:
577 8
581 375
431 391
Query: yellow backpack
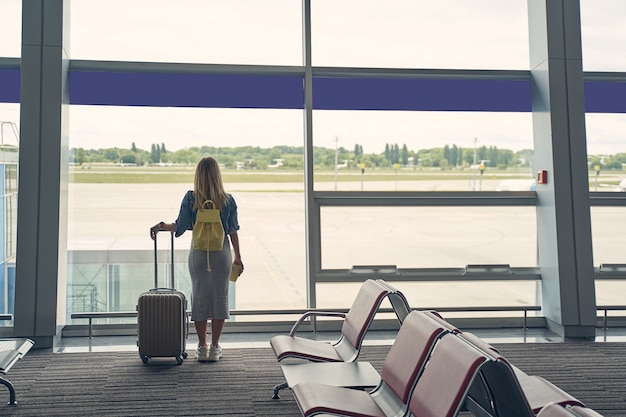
208 232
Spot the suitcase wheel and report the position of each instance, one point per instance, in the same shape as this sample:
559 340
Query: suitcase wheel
179 359
185 355
144 358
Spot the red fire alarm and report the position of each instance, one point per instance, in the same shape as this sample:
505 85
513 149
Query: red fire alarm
542 177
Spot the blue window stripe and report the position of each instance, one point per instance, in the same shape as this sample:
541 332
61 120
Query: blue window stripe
605 97
9 86
421 94
186 90
285 92
247 91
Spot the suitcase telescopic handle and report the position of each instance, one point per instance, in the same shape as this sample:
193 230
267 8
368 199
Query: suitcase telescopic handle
156 264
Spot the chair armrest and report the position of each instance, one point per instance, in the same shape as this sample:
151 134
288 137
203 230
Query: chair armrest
308 314
11 350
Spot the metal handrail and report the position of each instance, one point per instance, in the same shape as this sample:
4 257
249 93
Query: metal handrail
525 309
606 309
121 314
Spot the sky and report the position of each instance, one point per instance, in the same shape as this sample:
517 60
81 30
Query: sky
474 34
232 127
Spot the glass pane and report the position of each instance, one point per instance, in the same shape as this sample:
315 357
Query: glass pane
608 227
10 204
473 294
198 31
10 28
606 150
610 292
428 237
603 35
130 168
476 34
434 151
437 295
9 159
428 295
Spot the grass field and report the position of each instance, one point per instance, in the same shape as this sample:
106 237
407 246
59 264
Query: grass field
113 174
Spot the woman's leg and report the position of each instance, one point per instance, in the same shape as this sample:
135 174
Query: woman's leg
201 328
216 331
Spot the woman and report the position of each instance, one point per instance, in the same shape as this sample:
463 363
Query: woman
209 288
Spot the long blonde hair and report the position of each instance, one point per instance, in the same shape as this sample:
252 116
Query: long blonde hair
208 185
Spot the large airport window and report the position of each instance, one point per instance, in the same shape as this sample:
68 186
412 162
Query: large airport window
10 28
427 237
422 151
131 166
198 31
603 35
477 34
377 125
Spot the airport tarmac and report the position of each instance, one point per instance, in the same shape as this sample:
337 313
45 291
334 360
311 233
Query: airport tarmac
114 220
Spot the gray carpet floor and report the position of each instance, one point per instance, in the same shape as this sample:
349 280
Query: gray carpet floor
241 384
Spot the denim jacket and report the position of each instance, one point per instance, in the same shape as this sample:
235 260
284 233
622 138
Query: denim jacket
187 215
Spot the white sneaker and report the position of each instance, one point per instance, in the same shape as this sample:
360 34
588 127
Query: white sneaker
202 354
215 353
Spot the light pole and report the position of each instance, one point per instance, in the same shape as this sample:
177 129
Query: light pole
482 170
362 172
336 169
474 167
597 167
396 166
475 140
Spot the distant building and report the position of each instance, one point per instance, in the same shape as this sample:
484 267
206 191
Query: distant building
277 163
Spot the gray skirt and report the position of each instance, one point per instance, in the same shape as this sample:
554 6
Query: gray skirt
209 297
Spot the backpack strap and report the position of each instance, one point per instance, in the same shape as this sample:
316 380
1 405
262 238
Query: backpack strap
208 261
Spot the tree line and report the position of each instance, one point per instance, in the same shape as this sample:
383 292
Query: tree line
291 157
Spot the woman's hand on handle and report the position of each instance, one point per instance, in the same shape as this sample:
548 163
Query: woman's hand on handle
159 227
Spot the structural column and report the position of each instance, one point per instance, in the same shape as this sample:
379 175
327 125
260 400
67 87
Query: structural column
563 216
312 215
40 287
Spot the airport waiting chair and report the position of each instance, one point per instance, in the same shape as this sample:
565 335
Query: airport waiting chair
503 390
497 391
403 365
508 390
355 325
12 350
437 317
398 301
541 392
443 387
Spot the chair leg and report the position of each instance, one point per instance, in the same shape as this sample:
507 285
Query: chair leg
11 390
278 388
